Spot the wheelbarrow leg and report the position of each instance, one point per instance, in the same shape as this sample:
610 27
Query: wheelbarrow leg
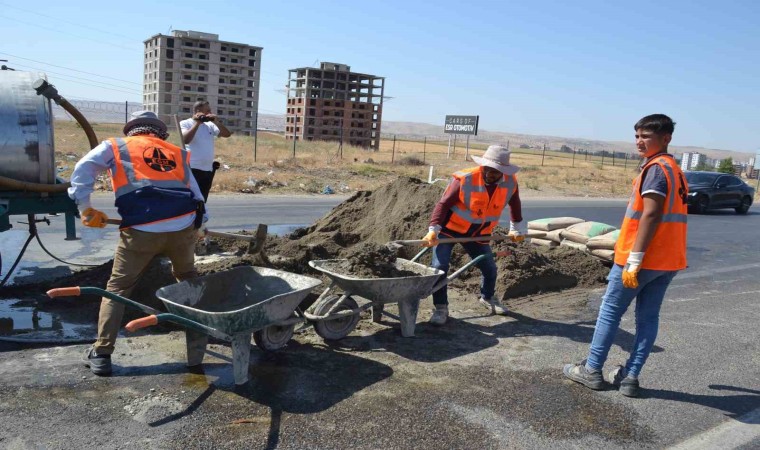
241 356
407 312
377 312
196 346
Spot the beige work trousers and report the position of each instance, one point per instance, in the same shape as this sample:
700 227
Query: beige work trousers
133 254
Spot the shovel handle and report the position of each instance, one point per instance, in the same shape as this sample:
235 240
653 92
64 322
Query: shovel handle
495 237
142 322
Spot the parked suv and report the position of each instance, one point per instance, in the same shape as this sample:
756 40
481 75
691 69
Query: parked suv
714 190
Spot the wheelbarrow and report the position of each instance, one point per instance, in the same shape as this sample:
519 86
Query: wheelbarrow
335 313
230 305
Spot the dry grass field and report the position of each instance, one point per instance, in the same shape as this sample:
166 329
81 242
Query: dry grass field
318 164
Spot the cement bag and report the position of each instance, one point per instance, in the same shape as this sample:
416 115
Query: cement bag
552 223
603 242
582 232
555 235
607 255
575 245
544 242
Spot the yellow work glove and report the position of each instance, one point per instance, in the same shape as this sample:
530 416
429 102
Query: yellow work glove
631 270
431 239
91 217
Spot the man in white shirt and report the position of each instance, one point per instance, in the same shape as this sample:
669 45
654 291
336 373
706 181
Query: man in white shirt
198 132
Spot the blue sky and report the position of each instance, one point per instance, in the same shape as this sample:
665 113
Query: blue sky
584 69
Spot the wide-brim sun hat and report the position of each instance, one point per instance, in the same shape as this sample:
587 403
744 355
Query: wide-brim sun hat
497 157
144 118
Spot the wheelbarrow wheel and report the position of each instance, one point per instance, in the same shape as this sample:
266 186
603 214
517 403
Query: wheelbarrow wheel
332 330
273 338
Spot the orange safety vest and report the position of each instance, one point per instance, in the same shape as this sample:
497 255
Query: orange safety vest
667 250
475 206
151 180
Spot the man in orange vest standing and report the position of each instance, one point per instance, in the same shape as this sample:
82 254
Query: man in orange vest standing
471 206
161 209
650 251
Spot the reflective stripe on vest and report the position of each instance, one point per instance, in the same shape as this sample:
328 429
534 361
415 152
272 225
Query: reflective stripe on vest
474 194
667 250
126 180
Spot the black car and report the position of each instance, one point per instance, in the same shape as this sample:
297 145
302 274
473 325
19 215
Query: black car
714 190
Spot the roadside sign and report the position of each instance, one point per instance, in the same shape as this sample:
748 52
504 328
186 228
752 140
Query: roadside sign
461 125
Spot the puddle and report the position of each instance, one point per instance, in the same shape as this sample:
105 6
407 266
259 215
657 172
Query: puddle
283 229
23 323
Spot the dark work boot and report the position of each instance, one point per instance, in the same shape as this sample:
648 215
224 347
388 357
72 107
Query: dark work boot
99 364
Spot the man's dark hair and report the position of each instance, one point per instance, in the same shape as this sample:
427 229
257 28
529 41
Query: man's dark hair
656 123
199 104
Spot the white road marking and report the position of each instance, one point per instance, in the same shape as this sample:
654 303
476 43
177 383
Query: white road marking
713 271
732 434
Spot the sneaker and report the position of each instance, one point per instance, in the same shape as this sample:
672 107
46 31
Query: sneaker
627 386
440 315
98 364
494 305
579 374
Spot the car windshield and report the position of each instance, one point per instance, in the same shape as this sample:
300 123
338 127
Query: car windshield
700 178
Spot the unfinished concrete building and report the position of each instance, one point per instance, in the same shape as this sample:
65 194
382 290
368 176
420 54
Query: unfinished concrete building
333 103
190 65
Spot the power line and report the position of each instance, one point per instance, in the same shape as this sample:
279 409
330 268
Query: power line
68 68
68 34
59 20
78 78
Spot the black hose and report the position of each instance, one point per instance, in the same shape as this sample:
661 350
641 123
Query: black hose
13 267
34 234
59 259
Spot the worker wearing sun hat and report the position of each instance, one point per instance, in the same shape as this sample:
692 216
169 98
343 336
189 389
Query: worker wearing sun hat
471 206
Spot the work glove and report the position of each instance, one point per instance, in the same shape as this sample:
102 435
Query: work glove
91 217
631 270
202 231
431 239
517 231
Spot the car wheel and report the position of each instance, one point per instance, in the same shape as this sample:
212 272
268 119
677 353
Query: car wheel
703 204
744 207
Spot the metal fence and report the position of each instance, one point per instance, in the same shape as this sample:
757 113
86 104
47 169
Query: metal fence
99 112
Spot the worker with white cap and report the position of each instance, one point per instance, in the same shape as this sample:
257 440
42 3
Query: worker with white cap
471 206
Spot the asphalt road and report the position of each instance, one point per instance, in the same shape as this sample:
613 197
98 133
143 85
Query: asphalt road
501 388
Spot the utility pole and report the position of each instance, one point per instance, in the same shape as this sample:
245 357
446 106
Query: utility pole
340 147
295 135
467 150
393 152
255 132
126 111
448 150
424 147
573 157
603 151
543 155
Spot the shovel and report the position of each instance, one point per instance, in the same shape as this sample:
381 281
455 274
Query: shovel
493 237
255 241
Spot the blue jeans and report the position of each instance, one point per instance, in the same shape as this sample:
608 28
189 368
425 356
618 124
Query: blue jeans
649 296
487 266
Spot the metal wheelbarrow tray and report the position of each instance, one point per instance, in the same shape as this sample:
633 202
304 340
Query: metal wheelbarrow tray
336 315
229 305
406 291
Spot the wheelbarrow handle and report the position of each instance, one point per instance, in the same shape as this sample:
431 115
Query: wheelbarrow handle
76 291
142 322
445 281
155 319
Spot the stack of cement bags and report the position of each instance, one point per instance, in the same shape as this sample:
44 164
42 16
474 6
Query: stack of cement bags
553 227
594 237
603 246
